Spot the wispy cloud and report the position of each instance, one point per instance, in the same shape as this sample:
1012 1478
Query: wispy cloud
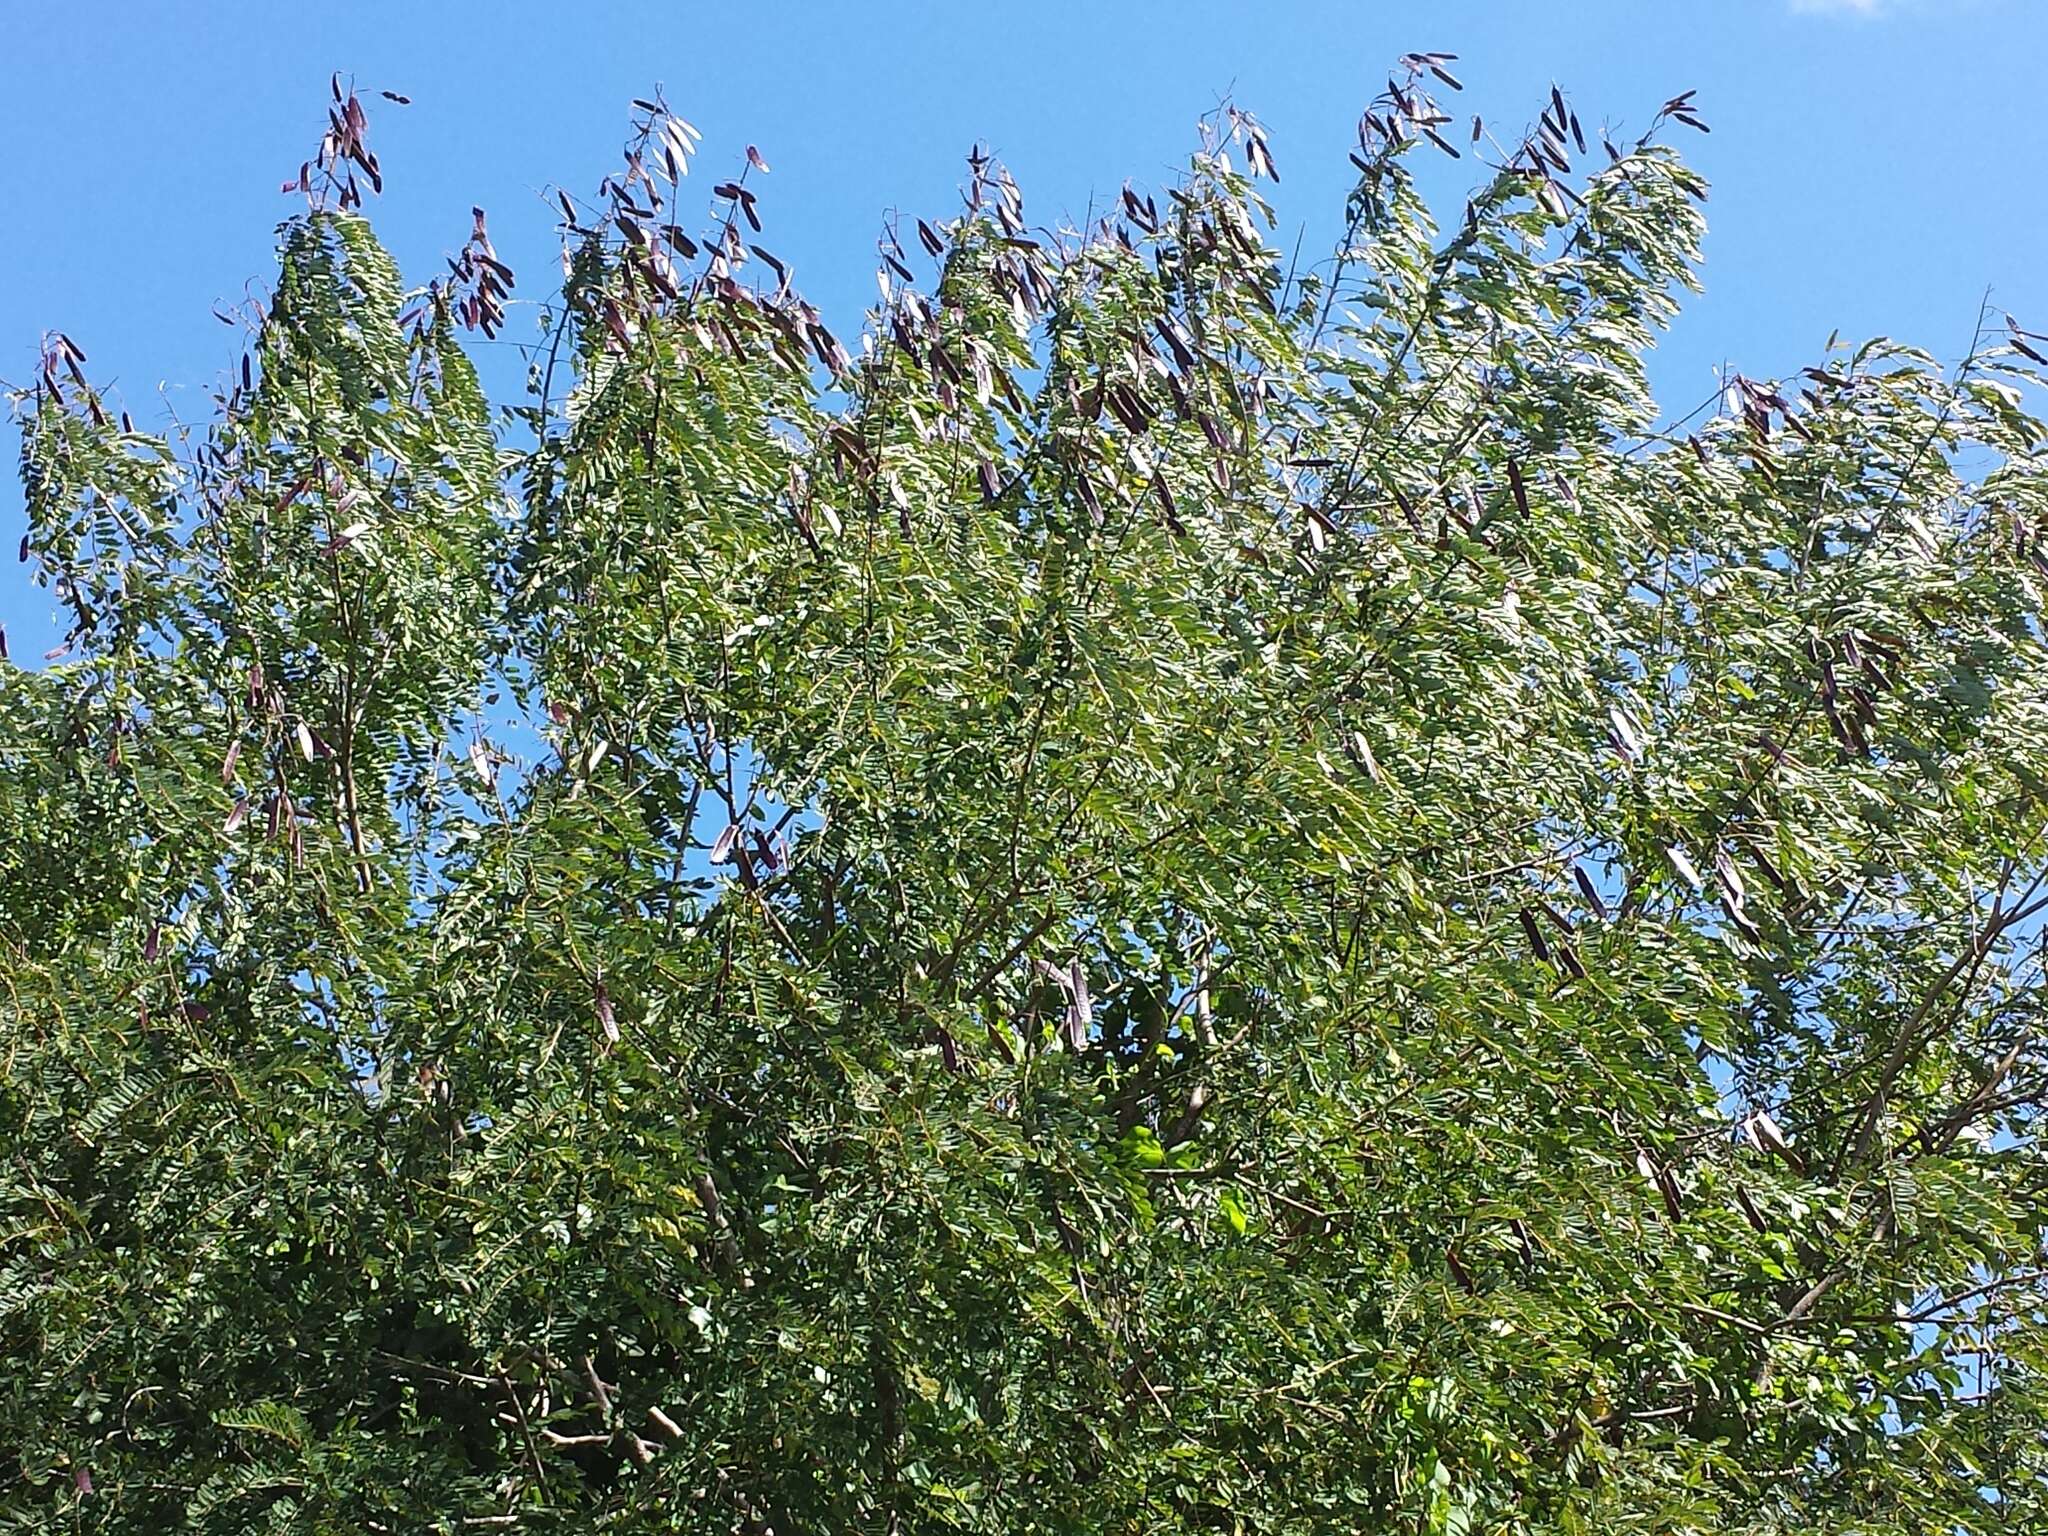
1840 7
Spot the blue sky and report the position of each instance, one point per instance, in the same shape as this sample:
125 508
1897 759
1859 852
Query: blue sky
1877 164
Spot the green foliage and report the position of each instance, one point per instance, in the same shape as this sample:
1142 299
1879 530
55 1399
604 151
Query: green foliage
1171 896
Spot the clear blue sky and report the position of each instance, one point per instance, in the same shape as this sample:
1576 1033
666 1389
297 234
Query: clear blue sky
1877 164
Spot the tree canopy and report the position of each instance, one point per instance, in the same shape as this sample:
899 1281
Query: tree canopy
1176 892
